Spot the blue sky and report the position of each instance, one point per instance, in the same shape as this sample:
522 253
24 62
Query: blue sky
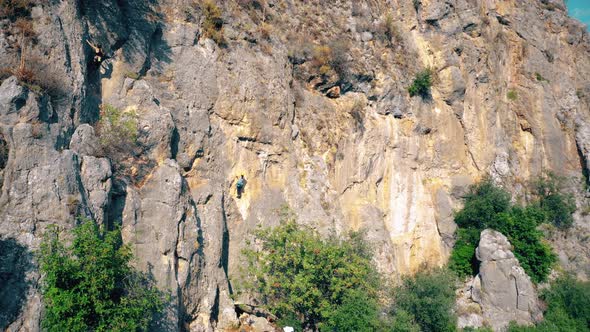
580 9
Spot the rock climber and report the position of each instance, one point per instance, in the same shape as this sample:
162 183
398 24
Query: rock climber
240 185
99 55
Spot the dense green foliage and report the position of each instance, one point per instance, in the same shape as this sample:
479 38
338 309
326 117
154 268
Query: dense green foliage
568 308
89 285
488 206
463 260
403 322
331 285
298 273
358 312
421 84
429 298
520 226
482 204
557 205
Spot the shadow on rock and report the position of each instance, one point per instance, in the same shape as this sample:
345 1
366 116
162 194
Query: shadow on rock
132 26
15 262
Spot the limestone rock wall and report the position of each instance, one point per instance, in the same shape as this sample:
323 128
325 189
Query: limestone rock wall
333 134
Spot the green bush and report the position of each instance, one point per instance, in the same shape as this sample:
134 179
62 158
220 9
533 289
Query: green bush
421 85
482 205
540 78
520 226
90 286
557 206
512 95
487 206
429 298
403 322
571 296
358 312
463 260
568 308
299 274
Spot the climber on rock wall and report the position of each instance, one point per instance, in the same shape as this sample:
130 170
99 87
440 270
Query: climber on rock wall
99 55
240 186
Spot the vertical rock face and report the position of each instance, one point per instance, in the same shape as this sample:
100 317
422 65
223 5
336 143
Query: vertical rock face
502 289
338 140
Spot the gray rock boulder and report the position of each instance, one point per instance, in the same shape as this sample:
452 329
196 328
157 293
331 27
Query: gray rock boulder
84 141
502 288
160 221
96 177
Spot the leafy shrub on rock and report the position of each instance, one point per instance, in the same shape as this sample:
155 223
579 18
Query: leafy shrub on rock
463 260
421 84
429 298
482 205
358 312
90 286
488 206
520 226
557 205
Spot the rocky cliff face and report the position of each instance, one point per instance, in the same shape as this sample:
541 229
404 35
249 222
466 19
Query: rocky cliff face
306 99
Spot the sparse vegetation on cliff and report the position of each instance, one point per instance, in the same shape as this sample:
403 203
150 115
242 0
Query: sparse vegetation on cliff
213 22
117 130
512 95
331 59
13 9
90 285
421 84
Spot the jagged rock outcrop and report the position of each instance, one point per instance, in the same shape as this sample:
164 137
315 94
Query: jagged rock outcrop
510 98
501 292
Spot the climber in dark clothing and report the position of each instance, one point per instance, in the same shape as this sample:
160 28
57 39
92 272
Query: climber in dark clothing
240 186
99 55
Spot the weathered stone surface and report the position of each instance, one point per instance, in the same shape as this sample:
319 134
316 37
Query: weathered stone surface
256 324
160 221
372 158
84 141
96 175
502 288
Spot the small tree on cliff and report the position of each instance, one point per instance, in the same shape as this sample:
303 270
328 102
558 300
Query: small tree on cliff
90 286
328 284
